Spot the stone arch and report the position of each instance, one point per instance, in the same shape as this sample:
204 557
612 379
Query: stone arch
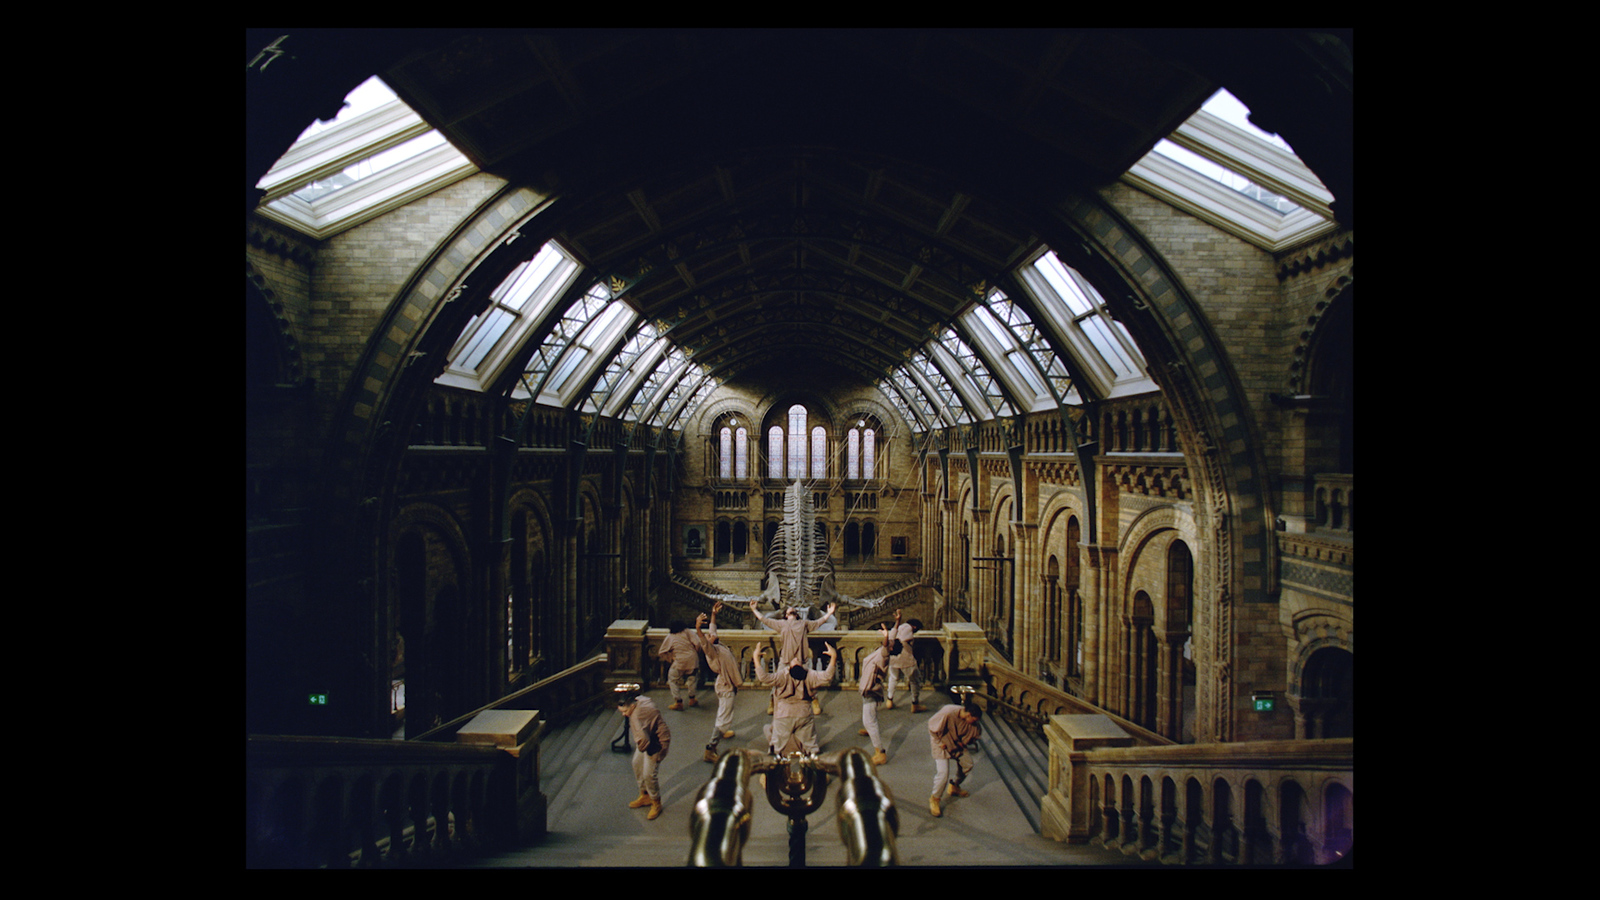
1338 820
272 351
1209 408
1324 694
428 580
529 578
1152 532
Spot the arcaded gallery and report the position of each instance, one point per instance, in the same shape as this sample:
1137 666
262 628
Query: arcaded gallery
564 344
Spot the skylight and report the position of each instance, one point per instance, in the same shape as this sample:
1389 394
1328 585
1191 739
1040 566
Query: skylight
375 156
516 306
1225 177
1220 167
1227 107
1102 348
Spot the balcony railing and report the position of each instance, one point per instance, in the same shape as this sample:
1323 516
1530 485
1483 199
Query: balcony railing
326 802
1255 803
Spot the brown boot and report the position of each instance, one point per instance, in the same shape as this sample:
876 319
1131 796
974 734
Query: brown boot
676 704
888 704
955 790
918 707
863 732
880 758
642 802
693 702
710 755
816 707
726 735
933 806
655 810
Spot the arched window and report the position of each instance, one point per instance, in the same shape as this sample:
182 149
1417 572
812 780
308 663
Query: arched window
725 458
775 452
797 441
853 455
741 453
869 454
1180 587
819 453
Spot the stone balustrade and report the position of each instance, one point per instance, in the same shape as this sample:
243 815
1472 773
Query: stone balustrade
631 649
1251 803
469 786
1033 699
318 802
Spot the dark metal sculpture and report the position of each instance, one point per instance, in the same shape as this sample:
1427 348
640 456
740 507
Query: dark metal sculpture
796 786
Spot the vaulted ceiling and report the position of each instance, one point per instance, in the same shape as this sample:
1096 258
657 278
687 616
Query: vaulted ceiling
811 204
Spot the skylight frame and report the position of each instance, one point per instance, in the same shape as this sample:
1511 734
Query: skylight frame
914 405
322 153
1066 322
999 346
537 300
1253 158
586 353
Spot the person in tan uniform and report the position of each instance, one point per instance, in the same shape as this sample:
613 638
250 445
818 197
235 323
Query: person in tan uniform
871 680
651 738
903 667
793 691
792 632
726 665
683 678
951 731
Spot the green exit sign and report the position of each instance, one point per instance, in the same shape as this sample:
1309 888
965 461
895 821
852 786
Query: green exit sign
317 699
1265 702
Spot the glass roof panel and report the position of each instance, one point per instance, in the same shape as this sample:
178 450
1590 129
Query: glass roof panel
1226 177
367 96
1219 166
375 155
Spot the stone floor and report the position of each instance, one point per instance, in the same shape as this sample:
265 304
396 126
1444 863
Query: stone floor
588 787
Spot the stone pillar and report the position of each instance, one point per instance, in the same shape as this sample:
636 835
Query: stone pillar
520 815
1101 631
566 615
1169 675
627 653
1065 814
965 647
1089 592
1028 602
951 518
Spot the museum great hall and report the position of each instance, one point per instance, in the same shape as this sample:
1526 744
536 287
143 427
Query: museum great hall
1051 327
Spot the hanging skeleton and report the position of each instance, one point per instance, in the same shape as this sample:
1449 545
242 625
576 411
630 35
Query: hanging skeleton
799 572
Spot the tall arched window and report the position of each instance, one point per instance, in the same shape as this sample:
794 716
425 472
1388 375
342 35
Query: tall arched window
725 458
861 456
741 453
775 452
797 441
819 453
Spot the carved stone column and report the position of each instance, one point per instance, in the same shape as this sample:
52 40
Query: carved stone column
979 543
1029 599
1093 614
1169 675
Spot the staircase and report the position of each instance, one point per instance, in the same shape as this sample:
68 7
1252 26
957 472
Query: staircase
1020 755
570 755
